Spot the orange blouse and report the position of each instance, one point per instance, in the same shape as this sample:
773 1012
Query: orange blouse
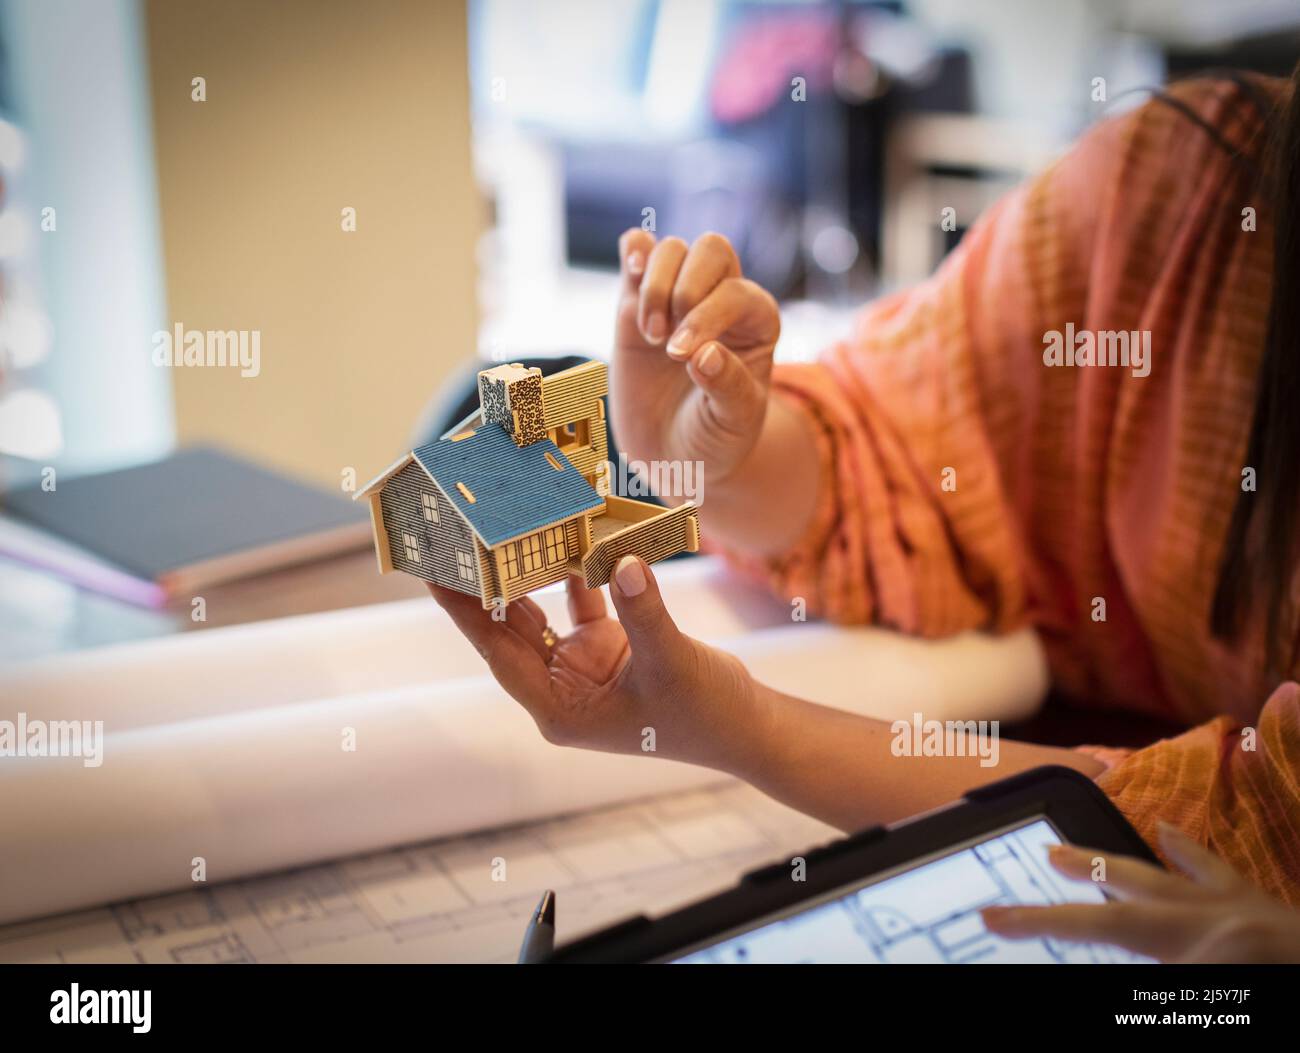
967 483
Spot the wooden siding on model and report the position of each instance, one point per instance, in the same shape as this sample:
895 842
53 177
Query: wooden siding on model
589 457
403 512
567 396
487 574
658 535
380 534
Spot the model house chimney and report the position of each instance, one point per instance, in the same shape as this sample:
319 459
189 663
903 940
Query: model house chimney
511 396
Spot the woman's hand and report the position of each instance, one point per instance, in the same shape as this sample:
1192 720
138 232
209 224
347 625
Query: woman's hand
1216 916
636 685
693 353
693 343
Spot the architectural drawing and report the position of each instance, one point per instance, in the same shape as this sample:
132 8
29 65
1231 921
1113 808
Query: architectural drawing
440 901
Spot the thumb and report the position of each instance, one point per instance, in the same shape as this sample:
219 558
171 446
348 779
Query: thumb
652 634
736 397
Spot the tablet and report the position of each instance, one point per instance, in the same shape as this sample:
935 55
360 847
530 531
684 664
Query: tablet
909 893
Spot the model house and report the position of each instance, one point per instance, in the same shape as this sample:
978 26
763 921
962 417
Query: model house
517 496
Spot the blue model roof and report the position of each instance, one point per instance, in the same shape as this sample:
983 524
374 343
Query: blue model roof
516 489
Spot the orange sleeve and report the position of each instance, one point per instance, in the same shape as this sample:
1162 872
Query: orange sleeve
912 530
929 419
920 421
1234 789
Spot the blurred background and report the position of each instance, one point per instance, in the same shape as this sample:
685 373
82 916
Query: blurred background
490 154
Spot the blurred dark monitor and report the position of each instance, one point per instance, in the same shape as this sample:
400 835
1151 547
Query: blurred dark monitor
753 181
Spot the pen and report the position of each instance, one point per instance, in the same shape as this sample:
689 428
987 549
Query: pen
539 938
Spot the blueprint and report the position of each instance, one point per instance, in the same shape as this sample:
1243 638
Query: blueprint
462 899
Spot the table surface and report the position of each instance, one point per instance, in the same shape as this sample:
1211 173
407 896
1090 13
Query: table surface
41 614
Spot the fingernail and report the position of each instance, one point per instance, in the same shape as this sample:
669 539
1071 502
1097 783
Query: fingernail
710 361
656 327
630 576
635 263
680 345
1057 854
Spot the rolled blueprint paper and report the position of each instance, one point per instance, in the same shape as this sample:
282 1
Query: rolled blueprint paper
230 752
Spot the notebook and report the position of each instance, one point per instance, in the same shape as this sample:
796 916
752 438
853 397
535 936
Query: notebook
197 518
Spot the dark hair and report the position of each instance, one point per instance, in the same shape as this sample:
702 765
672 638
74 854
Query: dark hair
1259 556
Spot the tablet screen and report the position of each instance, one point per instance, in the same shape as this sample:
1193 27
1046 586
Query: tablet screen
927 912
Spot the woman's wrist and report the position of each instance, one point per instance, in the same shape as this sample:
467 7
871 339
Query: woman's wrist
728 722
749 742
765 504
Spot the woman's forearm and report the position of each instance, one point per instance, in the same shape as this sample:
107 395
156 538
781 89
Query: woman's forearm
765 505
845 770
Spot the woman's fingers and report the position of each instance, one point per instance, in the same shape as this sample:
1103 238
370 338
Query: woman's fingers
585 605
667 280
1145 928
530 623
1120 875
1223 944
1198 863
665 283
737 400
634 248
512 661
656 289
733 303
711 260
1160 914
653 637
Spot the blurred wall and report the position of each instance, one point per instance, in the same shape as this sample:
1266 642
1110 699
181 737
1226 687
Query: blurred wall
1032 61
77 82
314 106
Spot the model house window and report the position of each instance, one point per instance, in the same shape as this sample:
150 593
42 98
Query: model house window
531 550
412 545
430 503
556 550
512 561
465 566
573 435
